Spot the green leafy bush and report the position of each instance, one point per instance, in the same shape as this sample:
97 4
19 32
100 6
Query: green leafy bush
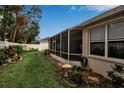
30 49
116 76
17 48
46 52
77 75
34 49
2 56
10 54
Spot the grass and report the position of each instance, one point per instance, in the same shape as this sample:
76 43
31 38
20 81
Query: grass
34 71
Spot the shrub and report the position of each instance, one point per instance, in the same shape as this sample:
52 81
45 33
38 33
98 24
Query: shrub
30 49
34 49
17 48
2 56
77 75
46 52
12 53
116 76
9 52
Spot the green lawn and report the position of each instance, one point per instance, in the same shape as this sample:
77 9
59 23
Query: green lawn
33 71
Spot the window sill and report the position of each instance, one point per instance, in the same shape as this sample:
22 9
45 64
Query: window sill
112 60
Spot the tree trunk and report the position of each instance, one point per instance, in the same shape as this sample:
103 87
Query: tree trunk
10 37
13 33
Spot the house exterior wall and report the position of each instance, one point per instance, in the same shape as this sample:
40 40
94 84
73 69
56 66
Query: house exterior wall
98 64
85 38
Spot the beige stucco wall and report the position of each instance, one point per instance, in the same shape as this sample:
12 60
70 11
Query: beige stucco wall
100 66
85 43
96 65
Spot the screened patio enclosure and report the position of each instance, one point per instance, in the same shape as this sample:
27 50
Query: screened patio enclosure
67 44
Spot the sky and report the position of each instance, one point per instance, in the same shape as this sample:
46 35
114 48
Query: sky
57 18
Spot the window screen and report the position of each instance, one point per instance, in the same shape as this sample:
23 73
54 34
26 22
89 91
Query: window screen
53 43
116 49
58 42
50 42
116 30
97 41
65 56
65 42
116 40
97 34
76 42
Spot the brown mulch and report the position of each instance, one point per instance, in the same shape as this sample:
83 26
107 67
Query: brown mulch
102 80
59 65
94 74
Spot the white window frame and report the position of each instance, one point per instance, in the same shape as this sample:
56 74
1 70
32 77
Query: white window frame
105 58
89 34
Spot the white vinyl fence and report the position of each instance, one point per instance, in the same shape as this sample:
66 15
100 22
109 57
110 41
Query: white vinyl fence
40 46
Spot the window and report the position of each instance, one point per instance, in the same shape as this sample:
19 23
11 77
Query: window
97 48
116 40
97 41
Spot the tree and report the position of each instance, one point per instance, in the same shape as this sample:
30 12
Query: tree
32 29
21 23
6 22
20 20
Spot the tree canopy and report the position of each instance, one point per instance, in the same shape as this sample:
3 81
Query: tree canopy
19 23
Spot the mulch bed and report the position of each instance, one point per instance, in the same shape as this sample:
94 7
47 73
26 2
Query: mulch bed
103 81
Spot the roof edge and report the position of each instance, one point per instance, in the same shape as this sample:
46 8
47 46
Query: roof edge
103 15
